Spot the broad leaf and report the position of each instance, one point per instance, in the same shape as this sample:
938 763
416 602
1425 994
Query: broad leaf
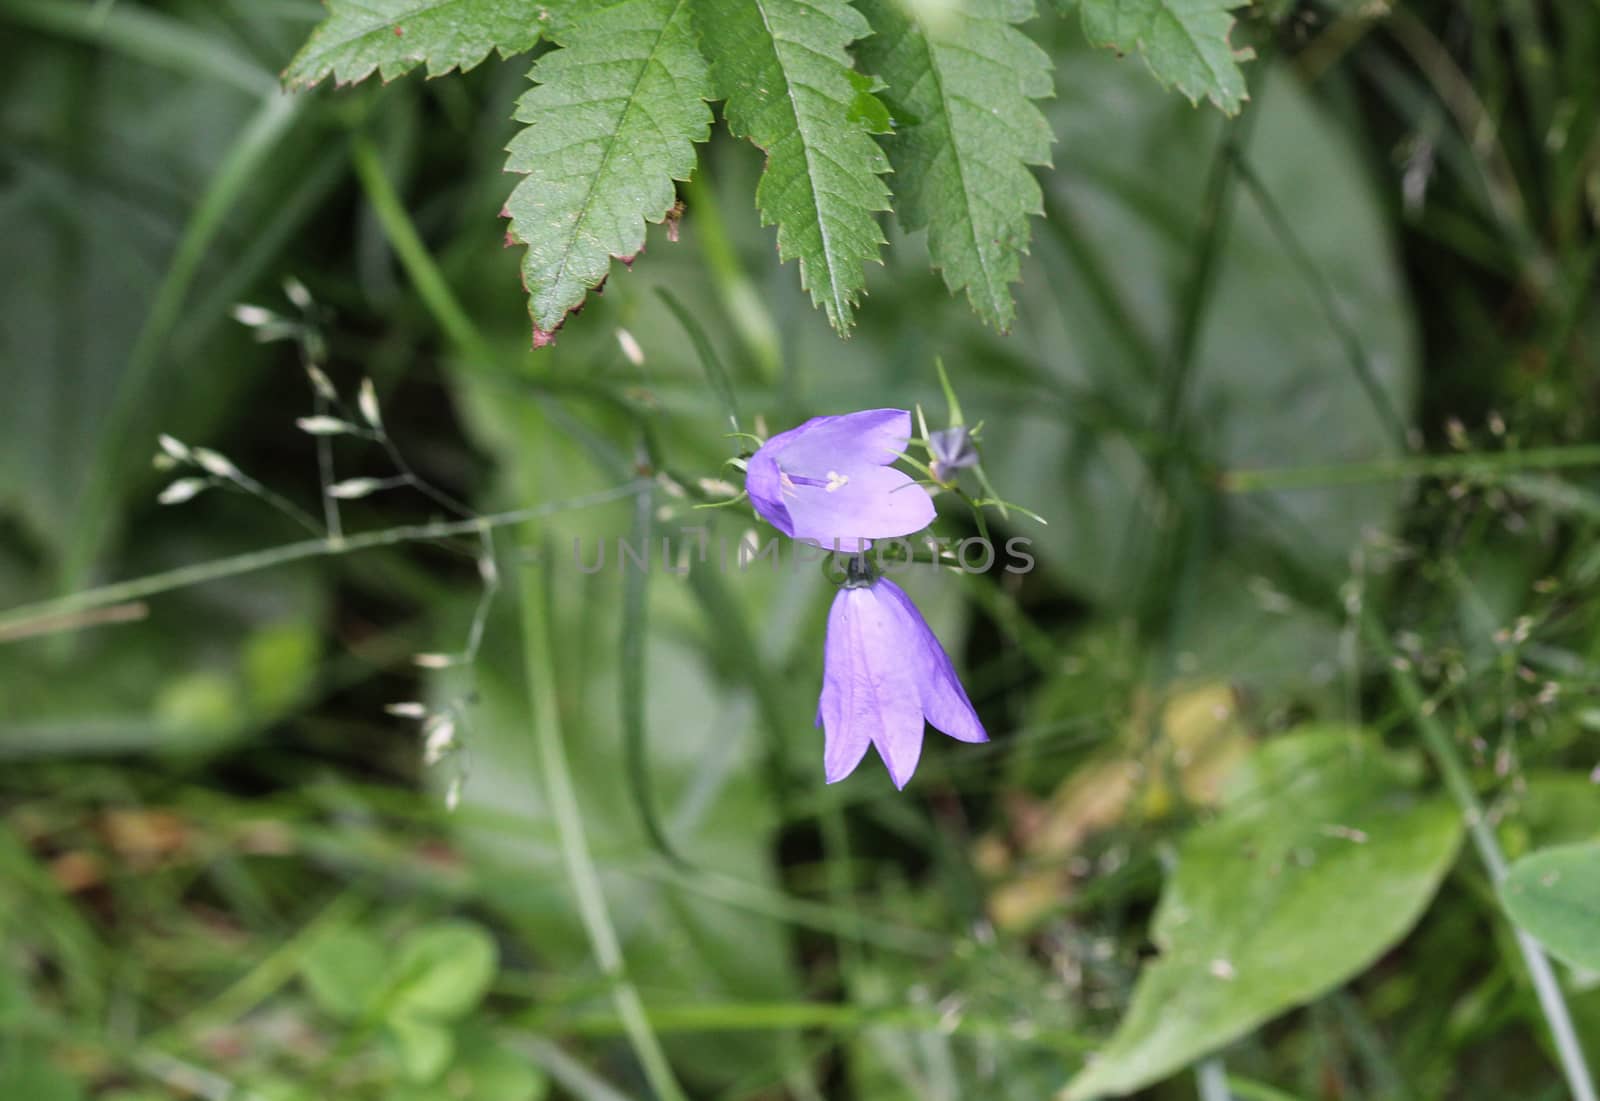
444 970
1184 42
610 126
783 69
1320 861
1555 895
960 85
345 972
395 36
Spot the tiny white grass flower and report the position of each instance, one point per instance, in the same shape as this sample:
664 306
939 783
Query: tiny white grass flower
1223 970
488 570
321 383
452 795
438 735
718 487
324 426
295 291
367 400
182 490
215 463
252 317
433 661
354 488
630 347
173 447
406 709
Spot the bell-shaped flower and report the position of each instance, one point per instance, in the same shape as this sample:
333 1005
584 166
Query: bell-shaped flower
883 674
829 480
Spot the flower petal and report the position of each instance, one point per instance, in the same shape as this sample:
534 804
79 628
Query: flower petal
763 481
872 437
869 502
845 740
944 701
868 690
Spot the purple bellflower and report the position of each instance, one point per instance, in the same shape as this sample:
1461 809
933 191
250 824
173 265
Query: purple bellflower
883 673
829 480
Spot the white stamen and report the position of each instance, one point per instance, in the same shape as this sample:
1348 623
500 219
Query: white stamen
835 481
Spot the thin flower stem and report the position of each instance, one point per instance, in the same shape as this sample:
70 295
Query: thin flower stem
1459 782
1476 464
19 621
92 518
538 644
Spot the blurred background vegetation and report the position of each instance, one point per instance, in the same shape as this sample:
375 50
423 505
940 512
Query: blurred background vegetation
1306 397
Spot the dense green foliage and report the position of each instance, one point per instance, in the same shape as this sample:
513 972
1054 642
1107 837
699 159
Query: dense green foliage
346 773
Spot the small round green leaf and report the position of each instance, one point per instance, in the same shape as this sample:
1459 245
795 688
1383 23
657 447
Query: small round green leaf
344 971
444 970
425 1048
1554 894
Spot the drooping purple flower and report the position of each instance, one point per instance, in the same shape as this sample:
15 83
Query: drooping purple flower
829 480
883 674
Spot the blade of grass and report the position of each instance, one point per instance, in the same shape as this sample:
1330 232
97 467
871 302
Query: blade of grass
1475 465
237 170
146 35
538 641
716 374
631 654
430 282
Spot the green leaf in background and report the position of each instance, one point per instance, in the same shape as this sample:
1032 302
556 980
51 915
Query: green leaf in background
444 970
425 1047
1184 42
1320 860
28 1074
784 71
961 80
345 971
395 36
1554 894
611 124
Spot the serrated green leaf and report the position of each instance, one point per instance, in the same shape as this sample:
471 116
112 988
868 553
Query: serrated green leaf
1555 895
395 36
1319 862
611 124
783 69
1184 43
961 82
